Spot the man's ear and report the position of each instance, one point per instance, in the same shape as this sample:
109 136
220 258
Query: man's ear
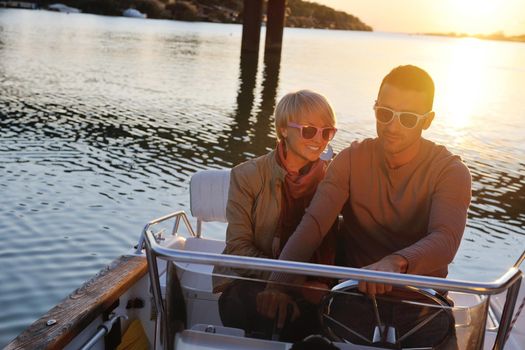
428 120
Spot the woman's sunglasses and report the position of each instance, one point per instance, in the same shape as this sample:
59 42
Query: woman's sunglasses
407 119
309 132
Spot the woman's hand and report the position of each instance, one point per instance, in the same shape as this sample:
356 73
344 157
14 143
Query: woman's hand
272 302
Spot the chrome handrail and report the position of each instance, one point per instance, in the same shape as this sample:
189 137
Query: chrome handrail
520 260
294 267
509 281
177 215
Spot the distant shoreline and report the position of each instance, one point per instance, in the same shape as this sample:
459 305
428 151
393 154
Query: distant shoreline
298 13
495 36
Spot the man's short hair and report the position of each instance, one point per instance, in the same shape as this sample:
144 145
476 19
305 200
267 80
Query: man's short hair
411 78
302 102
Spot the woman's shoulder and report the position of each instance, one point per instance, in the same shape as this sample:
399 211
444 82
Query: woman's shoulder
255 169
255 164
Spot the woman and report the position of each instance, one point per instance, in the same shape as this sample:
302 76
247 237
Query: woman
266 201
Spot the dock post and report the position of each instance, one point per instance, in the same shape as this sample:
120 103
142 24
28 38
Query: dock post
274 25
251 25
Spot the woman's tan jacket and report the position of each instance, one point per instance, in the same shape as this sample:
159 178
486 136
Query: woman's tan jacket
252 211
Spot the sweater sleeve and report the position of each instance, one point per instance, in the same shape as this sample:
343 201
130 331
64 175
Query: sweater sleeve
331 195
448 217
242 194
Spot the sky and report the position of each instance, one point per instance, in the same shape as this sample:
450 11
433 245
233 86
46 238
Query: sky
437 16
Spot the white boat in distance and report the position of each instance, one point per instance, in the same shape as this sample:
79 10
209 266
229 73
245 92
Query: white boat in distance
160 297
134 13
63 8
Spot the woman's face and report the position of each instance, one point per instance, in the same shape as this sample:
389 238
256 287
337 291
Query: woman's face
301 150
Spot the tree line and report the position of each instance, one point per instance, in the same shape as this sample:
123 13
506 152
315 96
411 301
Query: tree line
299 13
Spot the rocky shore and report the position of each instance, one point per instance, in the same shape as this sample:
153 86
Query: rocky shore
299 13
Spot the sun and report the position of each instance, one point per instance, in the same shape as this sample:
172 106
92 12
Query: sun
474 16
474 8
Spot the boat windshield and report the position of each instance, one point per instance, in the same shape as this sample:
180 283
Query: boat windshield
234 293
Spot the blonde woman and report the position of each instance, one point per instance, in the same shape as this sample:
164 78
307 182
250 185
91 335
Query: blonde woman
266 201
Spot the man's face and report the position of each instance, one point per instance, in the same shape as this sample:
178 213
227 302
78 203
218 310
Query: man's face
394 137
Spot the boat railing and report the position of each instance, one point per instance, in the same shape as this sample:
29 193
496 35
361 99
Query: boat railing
510 281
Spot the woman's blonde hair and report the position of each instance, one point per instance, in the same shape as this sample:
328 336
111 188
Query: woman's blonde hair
302 102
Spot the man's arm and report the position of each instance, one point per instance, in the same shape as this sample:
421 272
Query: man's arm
448 217
324 208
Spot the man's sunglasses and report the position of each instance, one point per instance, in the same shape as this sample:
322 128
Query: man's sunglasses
409 120
309 132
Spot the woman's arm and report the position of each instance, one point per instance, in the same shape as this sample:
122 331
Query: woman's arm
245 185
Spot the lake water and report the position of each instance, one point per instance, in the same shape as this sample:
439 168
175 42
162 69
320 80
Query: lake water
103 120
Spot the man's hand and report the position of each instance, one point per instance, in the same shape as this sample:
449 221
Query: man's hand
272 301
390 263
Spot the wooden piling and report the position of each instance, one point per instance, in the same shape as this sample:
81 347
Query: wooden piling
251 26
274 25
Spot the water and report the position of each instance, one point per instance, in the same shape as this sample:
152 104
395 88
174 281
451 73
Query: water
103 120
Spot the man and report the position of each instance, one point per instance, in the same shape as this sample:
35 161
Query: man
404 199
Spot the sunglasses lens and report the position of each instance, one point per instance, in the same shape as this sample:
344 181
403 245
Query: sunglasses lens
309 132
328 134
384 115
408 120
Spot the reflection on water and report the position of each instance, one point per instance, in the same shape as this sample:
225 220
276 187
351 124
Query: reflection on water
254 135
103 121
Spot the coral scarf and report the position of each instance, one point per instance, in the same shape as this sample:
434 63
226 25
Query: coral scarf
297 191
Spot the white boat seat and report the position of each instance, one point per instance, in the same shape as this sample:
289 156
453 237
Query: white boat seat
197 277
209 195
196 283
208 199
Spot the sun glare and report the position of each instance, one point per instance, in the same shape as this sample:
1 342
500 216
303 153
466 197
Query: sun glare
475 16
474 7
465 81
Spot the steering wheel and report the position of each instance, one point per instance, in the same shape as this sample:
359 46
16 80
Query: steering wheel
407 317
